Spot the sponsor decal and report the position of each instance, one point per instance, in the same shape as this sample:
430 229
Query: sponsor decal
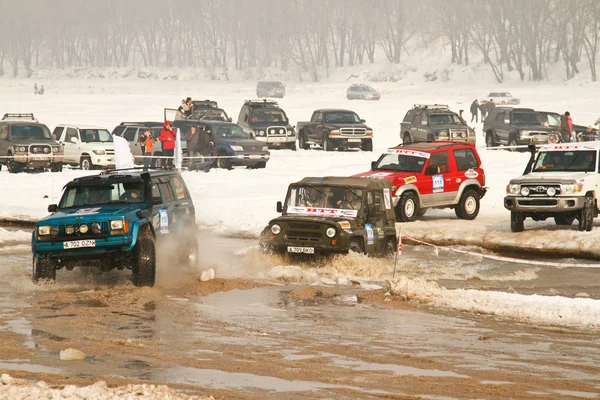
379 175
471 173
345 225
387 199
180 193
409 152
370 235
438 183
410 179
87 211
380 233
325 212
164 221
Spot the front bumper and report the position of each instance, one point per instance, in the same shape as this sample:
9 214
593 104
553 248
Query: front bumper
249 158
352 141
544 204
106 160
104 245
39 160
276 140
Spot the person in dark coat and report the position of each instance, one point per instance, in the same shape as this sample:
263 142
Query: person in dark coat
566 126
474 110
192 140
205 145
483 109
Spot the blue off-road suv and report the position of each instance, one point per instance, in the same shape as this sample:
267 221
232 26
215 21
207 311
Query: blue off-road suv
118 219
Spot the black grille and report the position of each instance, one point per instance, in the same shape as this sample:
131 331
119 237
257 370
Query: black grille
538 202
304 236
541 189
62 234
353 131
304 225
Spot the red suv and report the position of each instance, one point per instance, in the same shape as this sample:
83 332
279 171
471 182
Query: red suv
439 174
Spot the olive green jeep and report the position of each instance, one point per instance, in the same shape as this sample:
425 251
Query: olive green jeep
334 215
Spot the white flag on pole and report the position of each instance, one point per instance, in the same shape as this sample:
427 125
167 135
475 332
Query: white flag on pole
178 151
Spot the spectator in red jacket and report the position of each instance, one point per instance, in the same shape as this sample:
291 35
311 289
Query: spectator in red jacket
167 138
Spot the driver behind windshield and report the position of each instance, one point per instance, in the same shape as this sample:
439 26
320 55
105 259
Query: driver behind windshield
349 202
314 198
134 193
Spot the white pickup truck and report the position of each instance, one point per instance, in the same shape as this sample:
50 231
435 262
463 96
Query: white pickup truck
561 181
87 146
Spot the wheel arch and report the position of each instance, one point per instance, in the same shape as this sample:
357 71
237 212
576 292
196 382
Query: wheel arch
409 188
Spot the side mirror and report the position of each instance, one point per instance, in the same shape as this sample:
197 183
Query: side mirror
373 164
424 122
74 140
229 119
279 207
52 208
362 121
433 169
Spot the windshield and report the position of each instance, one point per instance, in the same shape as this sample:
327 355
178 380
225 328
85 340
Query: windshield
400 162
553 119
271 85
527 119
268 115
341 117
214 114
95 135
230 132
505 94
324 200
368 89
579 161
30 132
93 195
444 119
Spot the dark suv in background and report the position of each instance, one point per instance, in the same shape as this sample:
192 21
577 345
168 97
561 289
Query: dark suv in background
270 89
517 126
266 122
429 122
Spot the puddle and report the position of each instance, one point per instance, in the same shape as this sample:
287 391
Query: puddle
39 334
395 368
33 368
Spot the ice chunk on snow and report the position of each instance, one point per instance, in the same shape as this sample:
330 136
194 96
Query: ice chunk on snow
123 156
72 355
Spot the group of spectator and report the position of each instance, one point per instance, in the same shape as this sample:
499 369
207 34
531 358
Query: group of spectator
484 107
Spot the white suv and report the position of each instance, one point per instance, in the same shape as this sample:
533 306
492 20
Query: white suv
562 181
87 146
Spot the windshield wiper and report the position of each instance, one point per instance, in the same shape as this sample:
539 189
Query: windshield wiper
352 190
317 189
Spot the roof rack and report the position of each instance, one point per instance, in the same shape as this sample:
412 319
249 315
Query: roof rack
432 106
19 116
144 123
262 102
115 171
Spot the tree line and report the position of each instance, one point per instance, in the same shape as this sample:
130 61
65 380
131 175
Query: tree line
305 37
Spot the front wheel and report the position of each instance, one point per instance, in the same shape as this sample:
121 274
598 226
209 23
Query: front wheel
407 207
43 270
367 145
292 146
406 139
302 141
356 246
158 162
516 221
468 206
144 261
586 215
512 143
489 140
13 166
85 163
224 163
56 167
327 144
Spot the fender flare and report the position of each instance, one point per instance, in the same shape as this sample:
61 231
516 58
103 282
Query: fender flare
135 230
408 188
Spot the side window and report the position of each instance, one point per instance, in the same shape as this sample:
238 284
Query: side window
465 159
243 114
58 132
71 133
316 117
165 190
4 133
178 188
129 134
440 160
417 119
378 202
408 116
118 131
500 118
156 199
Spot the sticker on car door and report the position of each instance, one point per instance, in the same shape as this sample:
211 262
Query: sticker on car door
370 234
438 183
387 199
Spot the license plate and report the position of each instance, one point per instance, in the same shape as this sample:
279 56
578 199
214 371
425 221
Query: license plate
39 158
76 244
304 250
255 156
354 140
539 139
277 139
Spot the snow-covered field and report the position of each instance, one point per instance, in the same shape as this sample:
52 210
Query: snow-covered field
242 201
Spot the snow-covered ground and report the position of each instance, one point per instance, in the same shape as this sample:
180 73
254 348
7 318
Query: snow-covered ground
242 201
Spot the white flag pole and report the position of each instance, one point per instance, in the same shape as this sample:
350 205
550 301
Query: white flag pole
178 152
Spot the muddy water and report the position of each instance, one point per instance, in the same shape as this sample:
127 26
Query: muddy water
252 336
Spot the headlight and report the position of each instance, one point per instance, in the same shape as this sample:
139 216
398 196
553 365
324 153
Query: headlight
46 150
96 228
513 189
281 131
551 191
524 134
335 132
291 133
265 148
276 229
83 228
570 189
261 133
99 152
471 132
69 230
272 131
44 230
56 149
330 232
236 148
444 133
369 133
21 149
525 191
116 225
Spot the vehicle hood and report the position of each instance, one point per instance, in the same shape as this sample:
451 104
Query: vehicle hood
27 142
91 213
538 128
347 125
264 125
393 176
313 218
240 142
449 126
551 176
99 145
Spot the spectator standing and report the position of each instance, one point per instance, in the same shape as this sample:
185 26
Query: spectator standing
167 138
192 140
186 108
483 109
147 143
474 110
566 126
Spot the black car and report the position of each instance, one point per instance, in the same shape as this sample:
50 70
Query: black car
208 109
266 122
270 89
429 122
517 126
231 143
553 120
